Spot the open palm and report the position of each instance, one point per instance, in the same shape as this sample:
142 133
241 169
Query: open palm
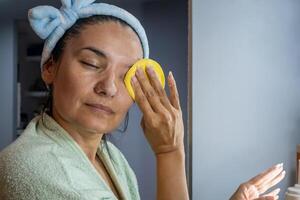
255 188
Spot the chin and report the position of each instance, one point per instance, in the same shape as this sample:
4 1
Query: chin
97 124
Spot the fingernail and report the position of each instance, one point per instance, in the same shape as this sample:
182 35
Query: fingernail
133 79
278 190
279 165
150 70
283 172
139 71
171 77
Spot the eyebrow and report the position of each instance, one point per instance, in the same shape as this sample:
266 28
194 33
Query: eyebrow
95 50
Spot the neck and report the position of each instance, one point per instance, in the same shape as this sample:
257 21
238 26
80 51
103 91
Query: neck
87 140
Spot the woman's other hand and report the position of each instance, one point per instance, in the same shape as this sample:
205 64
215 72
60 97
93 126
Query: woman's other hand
162 117
255 188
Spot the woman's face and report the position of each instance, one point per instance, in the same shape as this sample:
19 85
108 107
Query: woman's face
88 88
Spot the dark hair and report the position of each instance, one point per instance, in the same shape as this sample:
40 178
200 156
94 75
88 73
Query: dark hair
72 32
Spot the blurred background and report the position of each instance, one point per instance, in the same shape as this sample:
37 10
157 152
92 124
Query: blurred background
238 79
246 92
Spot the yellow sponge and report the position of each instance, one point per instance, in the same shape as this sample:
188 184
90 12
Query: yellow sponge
142 64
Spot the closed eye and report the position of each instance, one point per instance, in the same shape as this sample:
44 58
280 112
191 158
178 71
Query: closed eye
90 65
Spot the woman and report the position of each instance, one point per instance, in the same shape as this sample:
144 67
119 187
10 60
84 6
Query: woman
63 153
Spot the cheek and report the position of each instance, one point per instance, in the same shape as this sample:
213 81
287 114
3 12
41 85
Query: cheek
125 101
68 88
122 102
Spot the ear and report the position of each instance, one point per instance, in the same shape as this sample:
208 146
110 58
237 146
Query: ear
49 71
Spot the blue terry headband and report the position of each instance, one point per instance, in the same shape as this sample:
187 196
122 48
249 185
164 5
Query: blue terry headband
50 23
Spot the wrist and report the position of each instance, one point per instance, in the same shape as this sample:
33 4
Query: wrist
178 155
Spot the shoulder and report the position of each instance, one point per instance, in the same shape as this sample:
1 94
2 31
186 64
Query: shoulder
27 166
30 149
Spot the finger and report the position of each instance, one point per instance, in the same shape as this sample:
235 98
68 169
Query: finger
140 98
158 88
265 198
264 187
267 175
270 183
273 193
252 192
174 96
149 92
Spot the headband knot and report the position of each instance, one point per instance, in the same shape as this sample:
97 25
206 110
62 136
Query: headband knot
50 23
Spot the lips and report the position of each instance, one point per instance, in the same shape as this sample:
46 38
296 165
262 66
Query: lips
101 108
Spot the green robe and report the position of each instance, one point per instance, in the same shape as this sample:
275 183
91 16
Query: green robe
46 163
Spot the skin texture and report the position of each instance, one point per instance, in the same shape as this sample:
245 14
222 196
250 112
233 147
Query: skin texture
91 71
162 118
77 84
255 188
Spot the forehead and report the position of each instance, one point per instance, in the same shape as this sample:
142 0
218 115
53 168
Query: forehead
115 39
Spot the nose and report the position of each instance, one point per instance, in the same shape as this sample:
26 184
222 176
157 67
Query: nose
106 86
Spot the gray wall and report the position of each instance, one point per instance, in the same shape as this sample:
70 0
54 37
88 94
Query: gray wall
7 82
246 92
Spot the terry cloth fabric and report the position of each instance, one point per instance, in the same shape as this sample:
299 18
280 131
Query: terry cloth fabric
50 23
46 163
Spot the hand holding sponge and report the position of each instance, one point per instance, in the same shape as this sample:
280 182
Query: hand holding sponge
142 64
